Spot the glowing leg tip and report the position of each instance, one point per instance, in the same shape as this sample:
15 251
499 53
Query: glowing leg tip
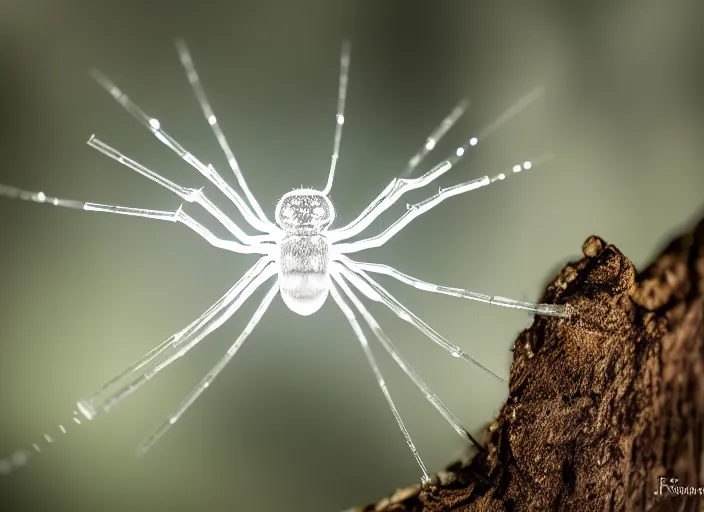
556 310
86 409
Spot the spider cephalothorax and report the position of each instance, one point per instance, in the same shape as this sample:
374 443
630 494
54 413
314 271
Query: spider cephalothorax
304 212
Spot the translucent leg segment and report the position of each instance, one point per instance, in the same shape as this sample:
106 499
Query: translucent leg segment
177 345
400 186
349 314
195 82
210 377
558 310
436 136
39 197
191 195
207 171
172 216
405 365
415 210
340 116
180 216
374 291
385 200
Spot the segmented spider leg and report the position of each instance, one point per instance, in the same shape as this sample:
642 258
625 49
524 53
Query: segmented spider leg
89 409
191 195
172 216
432 140
340 116
210 376
374 291
386 199
39 197
178 344
400 186
187 62
175 338
405 365
349 314
558 310
415 210
207 171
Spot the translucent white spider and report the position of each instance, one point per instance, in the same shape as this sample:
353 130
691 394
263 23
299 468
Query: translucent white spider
308 259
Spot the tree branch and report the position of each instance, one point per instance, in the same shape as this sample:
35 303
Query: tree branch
601 405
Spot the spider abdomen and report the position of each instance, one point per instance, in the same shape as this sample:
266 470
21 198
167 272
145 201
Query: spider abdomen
304 262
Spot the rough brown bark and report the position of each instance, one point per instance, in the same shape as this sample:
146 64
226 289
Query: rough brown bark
601 405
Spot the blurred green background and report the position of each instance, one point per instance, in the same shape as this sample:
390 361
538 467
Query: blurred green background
296 422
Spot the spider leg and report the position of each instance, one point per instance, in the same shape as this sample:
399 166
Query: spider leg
207 171
405 365
179 343
374 291
340 115
349 314
415 210
191 195
210 376
187 61
436 136
558 310
400 186
173 216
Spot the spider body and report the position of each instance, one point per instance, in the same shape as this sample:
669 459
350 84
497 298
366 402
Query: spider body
304 253
307 258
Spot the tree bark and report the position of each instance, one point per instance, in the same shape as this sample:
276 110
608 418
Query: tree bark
602 404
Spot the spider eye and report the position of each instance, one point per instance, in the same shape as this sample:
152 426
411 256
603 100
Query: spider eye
318 211
288 213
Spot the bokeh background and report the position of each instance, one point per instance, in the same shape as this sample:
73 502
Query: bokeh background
296 422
